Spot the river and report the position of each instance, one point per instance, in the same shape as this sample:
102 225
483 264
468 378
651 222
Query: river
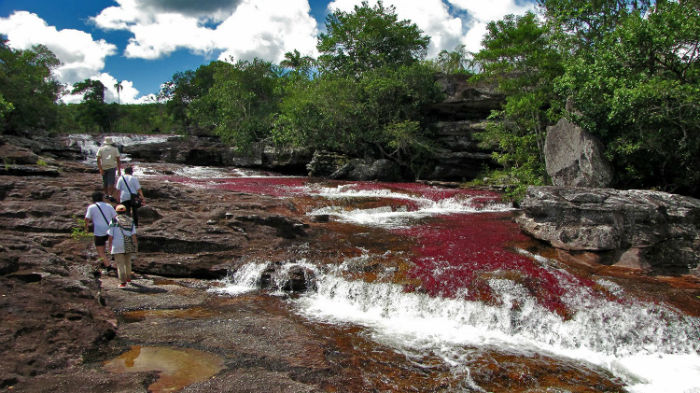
446 273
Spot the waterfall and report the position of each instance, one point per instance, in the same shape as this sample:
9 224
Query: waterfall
652 347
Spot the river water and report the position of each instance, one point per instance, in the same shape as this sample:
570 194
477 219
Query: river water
445 272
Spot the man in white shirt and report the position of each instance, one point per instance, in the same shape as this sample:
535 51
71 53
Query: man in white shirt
129 185
100 214
109 163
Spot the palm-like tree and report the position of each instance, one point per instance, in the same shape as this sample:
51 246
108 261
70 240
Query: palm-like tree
118 86
296 61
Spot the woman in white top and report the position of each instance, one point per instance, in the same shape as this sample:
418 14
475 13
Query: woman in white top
128 184
122 241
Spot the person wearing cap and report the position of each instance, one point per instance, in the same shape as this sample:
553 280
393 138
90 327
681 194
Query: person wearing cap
123 243
109 163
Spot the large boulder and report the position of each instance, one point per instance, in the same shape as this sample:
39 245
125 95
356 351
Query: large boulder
574 157
339 166
634 228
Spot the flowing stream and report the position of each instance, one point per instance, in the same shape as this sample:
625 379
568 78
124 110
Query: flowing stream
464 281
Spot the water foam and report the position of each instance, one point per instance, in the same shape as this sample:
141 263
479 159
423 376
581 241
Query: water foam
402 216
650 347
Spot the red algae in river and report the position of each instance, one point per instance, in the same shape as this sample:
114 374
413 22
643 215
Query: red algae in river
453 253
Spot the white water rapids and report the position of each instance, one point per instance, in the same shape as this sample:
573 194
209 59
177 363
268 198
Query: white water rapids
651 347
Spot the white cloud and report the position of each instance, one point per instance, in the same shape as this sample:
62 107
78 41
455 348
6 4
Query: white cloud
487 11
431 16
446 30
242 29
81 56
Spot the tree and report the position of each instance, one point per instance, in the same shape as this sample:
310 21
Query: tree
453 62
297 62
369 38
378 114
119 87
640 93
93 110
28 92
242 102
188 87
520 58
581 24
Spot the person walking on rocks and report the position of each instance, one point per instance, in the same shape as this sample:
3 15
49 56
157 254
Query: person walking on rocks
99 214
109 164
131 194
123 243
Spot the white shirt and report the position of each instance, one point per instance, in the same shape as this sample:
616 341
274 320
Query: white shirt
108 155
93 213
133 183
117 233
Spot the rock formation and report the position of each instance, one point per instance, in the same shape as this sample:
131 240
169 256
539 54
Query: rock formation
632 228
340 166
458 117
574 157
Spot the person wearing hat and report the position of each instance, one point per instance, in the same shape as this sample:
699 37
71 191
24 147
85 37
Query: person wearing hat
122 241
109 163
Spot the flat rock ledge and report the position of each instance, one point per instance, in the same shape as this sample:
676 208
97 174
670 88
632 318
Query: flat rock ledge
649 230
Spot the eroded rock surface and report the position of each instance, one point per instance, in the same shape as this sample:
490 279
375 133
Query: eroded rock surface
574 157
632 228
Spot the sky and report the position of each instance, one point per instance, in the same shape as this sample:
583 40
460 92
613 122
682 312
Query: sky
142 43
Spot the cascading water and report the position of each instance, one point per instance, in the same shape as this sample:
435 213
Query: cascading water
470 288
89 145
532 304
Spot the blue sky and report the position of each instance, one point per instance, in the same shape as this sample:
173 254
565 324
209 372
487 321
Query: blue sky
144 42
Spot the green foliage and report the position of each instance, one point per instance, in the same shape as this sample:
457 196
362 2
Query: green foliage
519 57
78 232
5 107
298 63
28 93
126 119
640 93
242 102
458 61
186 88
93 113
369 38
377 114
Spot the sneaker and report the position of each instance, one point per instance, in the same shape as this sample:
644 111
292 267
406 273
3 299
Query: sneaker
122 285
128 280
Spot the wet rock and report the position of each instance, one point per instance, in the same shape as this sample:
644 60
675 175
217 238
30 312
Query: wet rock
638 228
294 278
286 228
340 166
28 170
574 157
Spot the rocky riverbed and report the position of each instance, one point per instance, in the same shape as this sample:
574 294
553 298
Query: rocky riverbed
66 326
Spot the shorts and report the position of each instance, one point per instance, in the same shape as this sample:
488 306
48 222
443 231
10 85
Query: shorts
101 240
109 176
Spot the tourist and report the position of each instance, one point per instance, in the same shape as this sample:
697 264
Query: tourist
131 194
99 214
109 164
122 241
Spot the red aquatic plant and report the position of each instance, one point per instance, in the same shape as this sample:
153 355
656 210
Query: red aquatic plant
455 256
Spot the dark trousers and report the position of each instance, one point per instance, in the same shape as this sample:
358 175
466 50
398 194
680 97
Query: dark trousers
132 211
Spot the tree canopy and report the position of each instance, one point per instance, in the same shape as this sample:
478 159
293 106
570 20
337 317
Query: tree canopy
369 38
28 92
